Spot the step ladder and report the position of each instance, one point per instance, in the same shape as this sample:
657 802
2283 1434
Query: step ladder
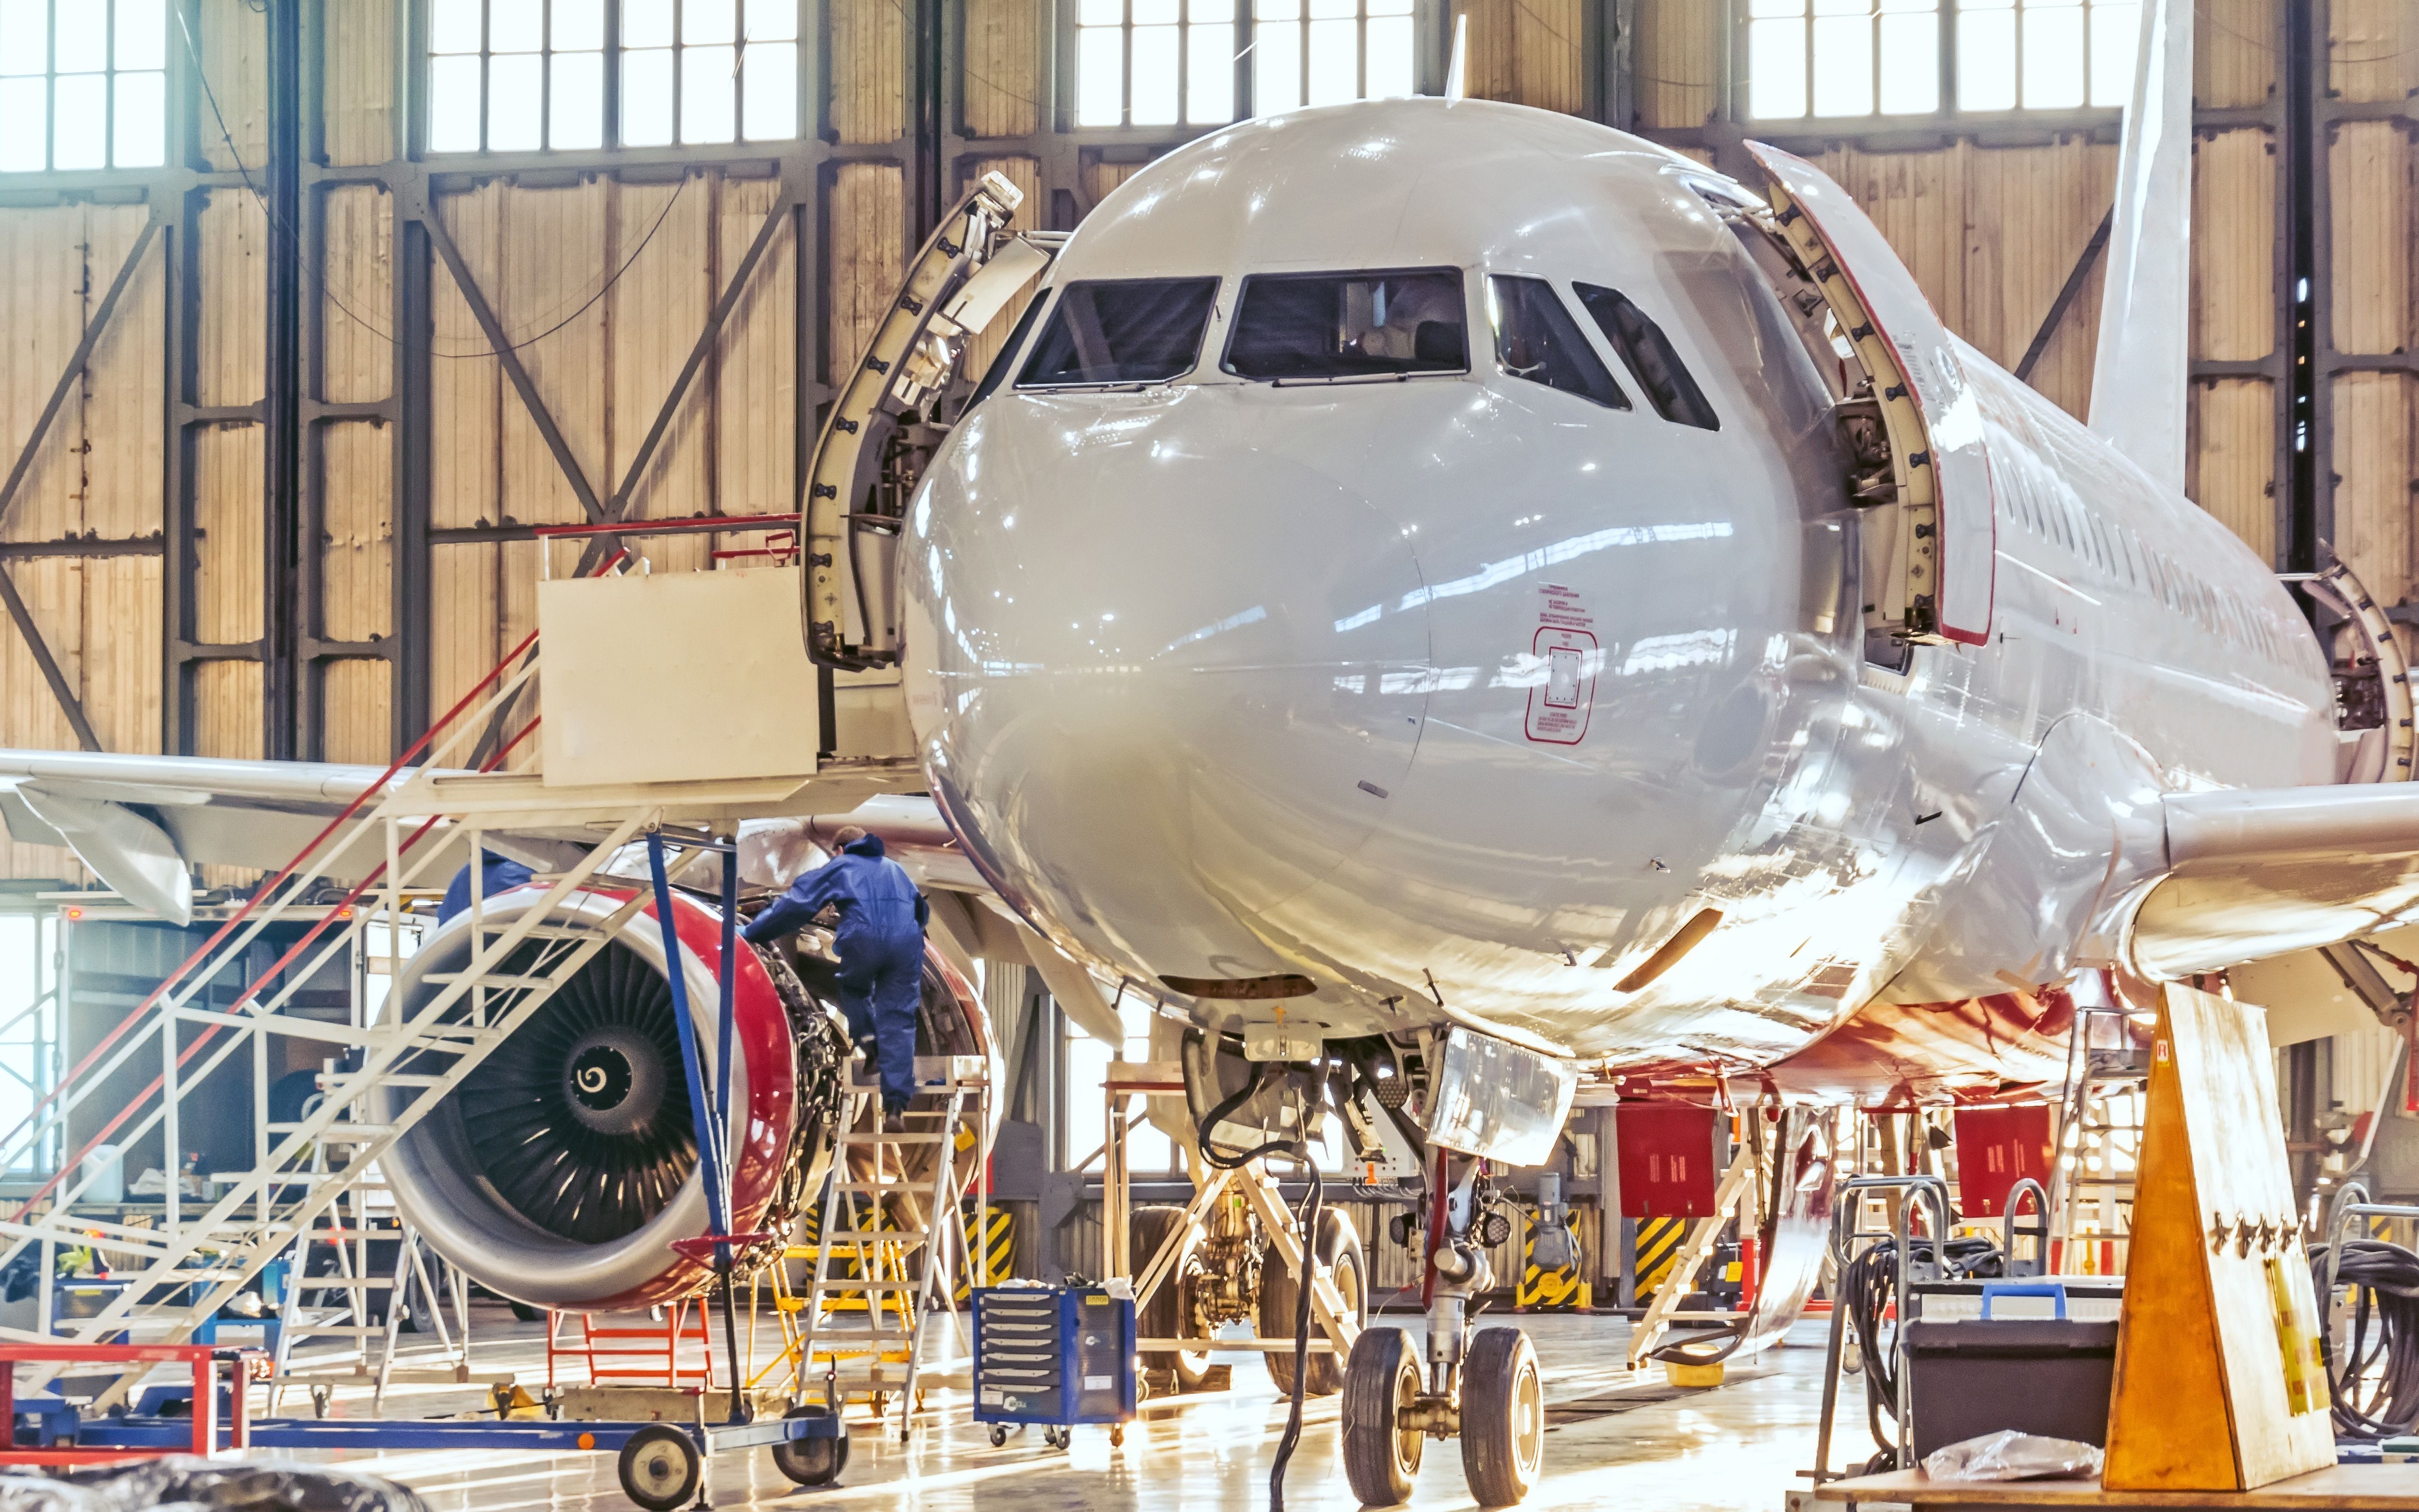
367 1338
1734 1198
656 1345
2098 1150
903 1235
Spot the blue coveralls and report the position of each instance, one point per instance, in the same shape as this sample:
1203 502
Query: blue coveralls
496 875
880 943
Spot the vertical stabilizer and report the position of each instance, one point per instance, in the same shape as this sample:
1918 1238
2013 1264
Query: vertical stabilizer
2139 374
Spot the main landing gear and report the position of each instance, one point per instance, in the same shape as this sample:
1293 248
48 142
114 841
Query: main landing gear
1483 1388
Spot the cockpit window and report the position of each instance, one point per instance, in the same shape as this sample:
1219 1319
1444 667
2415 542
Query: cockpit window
1121 330
1649 356
1536 339
1349 325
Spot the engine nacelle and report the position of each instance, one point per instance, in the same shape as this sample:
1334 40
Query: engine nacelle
562 1168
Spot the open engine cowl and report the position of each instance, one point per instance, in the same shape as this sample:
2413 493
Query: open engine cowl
562 1168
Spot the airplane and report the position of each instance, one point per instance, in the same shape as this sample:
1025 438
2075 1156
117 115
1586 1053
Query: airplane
1441 597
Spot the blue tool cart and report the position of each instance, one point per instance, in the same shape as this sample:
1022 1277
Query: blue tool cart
1054 1355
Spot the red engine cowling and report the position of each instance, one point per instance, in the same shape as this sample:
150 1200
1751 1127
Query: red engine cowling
562 1170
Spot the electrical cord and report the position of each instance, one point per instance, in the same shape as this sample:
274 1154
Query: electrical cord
2376 1391
1869 1289
1227 1161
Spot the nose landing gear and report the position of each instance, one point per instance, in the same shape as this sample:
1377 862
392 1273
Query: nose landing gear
1483 1388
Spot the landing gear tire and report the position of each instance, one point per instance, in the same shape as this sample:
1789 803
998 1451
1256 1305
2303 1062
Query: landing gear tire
1502 1417
1339 1249
660 1468
811 1461
1168 1313
1381 1460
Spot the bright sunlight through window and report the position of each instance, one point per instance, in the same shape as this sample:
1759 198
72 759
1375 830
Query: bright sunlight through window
1171 62
1848 58
84 85
542 75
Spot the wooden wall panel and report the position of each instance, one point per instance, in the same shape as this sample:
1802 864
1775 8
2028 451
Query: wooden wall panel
868 70
1003 66
755 380
1525 51
866 217
2230 456
2234 53
356 291
1677 53
355 696
2030 213
1101 178
234 43
2373 48
2369 194
655 312
357 535
228 545
233 235
359 78
2374 465
2233 254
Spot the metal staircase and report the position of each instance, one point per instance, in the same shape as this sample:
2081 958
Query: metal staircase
183 1270
904 1234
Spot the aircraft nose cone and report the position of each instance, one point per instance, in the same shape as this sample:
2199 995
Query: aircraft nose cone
1164 680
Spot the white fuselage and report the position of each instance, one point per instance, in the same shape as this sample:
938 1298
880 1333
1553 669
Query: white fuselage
1222 678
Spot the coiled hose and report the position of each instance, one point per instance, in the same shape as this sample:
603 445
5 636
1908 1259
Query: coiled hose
2376 1389
1869 1289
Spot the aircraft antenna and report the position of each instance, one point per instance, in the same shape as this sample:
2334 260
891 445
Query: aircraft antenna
1457 73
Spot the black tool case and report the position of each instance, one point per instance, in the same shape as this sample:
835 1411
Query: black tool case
2050 1377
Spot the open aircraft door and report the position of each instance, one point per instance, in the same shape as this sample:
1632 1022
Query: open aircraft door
1936 569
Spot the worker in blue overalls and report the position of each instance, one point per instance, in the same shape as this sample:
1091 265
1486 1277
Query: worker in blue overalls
496 875
880 943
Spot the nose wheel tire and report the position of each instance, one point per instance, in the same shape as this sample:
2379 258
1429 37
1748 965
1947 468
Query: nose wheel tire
811 1461
1380 1378
660 1468
1502 1417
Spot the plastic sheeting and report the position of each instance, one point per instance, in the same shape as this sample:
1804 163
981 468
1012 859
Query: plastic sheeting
182 1482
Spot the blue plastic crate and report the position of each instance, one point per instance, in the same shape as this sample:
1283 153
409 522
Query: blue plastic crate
1055 1355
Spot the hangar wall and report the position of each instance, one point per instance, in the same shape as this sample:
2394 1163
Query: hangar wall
194 593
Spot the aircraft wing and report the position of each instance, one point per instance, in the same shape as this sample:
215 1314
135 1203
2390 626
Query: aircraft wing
2257 873
142 823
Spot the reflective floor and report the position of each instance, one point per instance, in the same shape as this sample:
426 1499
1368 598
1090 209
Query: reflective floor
1614 1440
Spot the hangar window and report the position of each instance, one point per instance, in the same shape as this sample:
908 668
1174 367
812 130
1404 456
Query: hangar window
1326 52
1536 339
1833 58
570 75
82 86
1649 356
1349 325
1121 330
1154 62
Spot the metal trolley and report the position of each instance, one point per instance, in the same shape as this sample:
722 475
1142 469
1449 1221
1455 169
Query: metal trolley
1054 1355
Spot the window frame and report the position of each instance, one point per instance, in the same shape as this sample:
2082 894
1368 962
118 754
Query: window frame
1057 298
1582 346
611 137
1428 50
174 68
1947 111
1233 321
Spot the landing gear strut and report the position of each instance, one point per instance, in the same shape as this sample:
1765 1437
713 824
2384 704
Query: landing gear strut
1483 1388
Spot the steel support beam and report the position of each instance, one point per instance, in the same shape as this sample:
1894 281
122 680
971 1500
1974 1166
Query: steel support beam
2073 285
283 527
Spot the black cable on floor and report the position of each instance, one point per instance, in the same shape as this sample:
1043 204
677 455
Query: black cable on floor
1301 1336
2375 1390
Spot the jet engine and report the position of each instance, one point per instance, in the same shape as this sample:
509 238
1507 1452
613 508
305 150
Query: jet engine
561 1170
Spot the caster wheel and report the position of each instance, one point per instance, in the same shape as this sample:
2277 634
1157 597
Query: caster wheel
319 1396
1380 1376
998 1435
1058 1438
1117 1436
660 1468
811 1461
1502 1417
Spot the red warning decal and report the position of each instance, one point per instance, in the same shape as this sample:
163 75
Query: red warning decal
1562 694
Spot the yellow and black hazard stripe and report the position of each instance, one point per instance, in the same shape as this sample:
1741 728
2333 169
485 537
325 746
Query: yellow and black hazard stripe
991 1250
1552 1291
1659 1246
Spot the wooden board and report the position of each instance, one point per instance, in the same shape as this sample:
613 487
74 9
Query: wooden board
2202 1399
2351 1487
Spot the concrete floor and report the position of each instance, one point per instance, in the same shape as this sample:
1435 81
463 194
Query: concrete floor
1737 1446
